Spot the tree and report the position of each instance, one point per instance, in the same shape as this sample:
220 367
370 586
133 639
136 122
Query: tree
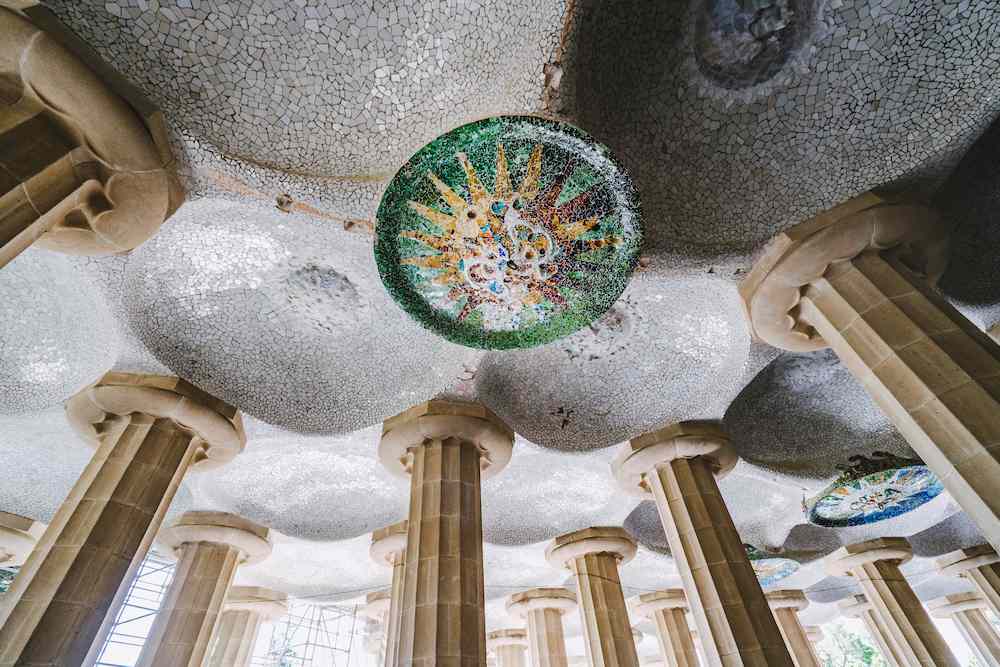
843 647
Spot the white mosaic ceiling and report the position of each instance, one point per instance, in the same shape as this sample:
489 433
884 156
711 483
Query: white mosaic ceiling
284 316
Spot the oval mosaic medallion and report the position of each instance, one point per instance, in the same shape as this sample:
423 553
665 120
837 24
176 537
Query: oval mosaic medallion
508 232
874 497
770 569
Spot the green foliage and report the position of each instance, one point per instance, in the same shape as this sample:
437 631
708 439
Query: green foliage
843 647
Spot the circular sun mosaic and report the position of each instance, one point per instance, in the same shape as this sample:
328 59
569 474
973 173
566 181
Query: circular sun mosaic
508 232
874 497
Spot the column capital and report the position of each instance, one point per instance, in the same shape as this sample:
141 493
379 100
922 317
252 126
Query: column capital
220 528
377 604
845 559
680 440
216 424
814 633
266 603
561 600
599 539
506 637
787 600
803 253
647 604
947 605
854 606
438 419
18 536
958 562
389 543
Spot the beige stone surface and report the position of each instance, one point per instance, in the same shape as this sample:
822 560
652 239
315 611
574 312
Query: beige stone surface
593 556
966 610
74 578
678 466
445 447
814 634
82 172
18 536
980 565
786 605
209 546
859 607
246 609
667 609
509 647
389 548
909 629
934 374
543 609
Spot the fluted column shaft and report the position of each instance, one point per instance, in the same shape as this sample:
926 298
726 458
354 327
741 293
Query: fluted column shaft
667 609
875 566
187 618
509 647
966 610
210 546
546 638
980 634
236 634
95 542
444 446
247 608
675 638
678 466
592 555
859 607
442 617
830 282
931 371
543 609
511 656
981 566
389 548
803 654
606 628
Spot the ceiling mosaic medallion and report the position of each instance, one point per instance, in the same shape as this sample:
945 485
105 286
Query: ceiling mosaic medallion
508 232
770 569
873 489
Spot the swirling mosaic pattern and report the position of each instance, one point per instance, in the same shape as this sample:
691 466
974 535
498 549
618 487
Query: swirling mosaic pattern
508 232
875 497
771 569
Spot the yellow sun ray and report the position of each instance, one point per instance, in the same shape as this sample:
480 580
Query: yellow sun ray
529 186
502 188
480 198
574 229
456 203
442 261
436 242
442 220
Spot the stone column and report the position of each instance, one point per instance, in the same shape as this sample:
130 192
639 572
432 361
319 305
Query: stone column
18 536
966 609
389 548
593 556
677 466
858 279
510 647
814 634
377 605
786 605
209 547
875 566
980 565
543 609
445 447
667 610
86 166
246 609
858 607
149 430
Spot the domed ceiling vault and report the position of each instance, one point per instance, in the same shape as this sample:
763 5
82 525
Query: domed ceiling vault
270 303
